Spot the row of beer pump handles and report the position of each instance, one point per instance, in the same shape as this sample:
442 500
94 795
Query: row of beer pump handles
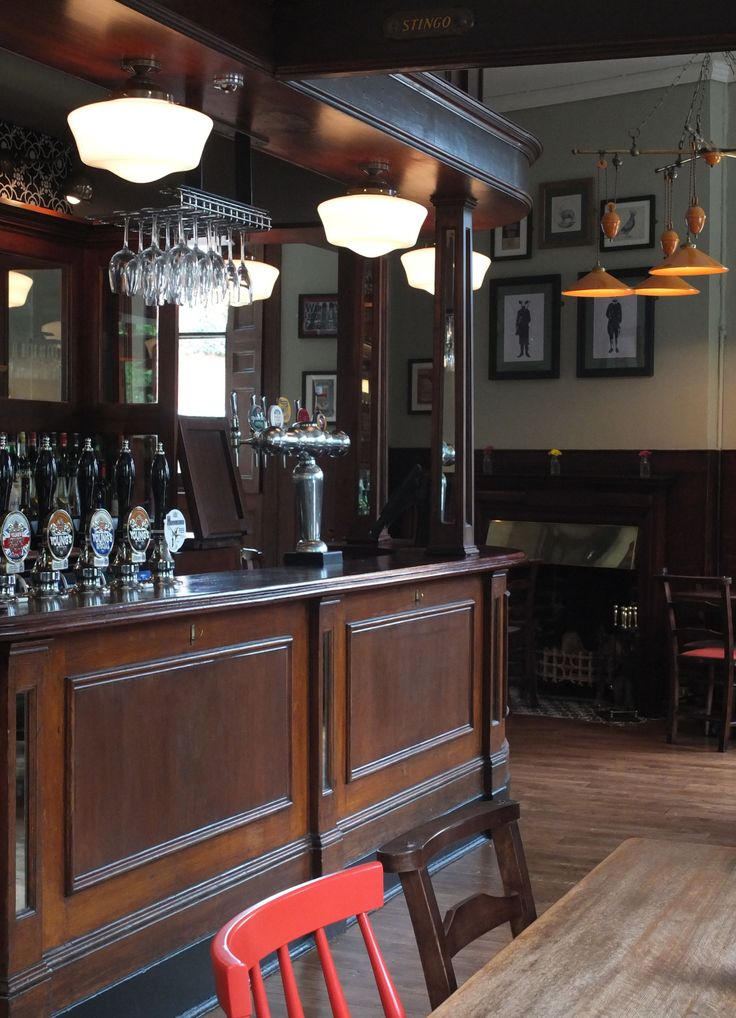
305 439
122 550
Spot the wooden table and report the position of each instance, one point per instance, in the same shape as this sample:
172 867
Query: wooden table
649 933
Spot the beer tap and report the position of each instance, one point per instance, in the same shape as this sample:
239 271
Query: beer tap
305 440
15 530
55 530
134 524
98 531
168 528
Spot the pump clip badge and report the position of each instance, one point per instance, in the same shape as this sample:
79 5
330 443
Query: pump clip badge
15 537
138 528
60 534
101 533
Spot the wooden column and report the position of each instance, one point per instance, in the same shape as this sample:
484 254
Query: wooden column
362 393
451 518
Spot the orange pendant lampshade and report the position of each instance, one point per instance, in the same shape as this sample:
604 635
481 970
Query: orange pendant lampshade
665 286
598 283
688 261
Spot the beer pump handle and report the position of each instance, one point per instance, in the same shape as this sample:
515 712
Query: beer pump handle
7 474
160 476
124 479
86 478
45 478
235 434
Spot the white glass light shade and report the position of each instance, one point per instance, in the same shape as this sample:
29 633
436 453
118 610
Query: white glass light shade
139 139
419 268
371 224
19 286
262 281
262 278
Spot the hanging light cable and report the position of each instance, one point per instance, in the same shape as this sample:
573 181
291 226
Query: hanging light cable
598 282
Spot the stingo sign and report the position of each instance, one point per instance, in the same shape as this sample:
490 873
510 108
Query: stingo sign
428 24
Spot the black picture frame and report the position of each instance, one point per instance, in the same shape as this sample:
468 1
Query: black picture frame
567 213
513 241
535 351
317 315
633 353
319 394
637 224
419 392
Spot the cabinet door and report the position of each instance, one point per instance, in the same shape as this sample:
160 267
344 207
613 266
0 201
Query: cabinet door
35 331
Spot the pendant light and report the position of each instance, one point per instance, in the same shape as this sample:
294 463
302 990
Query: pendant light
19 286
371 219
665 286
419 268
687 260
598 282
140 133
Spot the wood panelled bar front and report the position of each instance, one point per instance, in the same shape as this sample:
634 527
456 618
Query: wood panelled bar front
173 757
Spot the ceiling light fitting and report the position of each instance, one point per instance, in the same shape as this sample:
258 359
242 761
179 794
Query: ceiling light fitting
77 188
371 219
140 133
419 268
228 83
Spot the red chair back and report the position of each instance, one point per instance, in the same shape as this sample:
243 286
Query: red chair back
271 925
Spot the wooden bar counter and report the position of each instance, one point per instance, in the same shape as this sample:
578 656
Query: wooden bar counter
173 756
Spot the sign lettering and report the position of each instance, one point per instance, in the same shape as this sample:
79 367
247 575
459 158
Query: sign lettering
428 24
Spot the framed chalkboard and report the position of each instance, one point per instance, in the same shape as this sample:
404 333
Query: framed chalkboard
211 480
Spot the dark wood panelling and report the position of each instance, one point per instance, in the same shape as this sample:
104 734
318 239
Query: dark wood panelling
181 727
398 705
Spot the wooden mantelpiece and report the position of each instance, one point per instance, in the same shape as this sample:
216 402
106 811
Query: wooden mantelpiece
190 752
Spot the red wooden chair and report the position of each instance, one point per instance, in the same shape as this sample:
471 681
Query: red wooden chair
701 651
291 915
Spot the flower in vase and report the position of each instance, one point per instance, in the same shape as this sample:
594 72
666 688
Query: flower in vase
645 453
555 452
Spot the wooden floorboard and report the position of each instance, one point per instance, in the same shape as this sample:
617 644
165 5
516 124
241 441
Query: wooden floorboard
583 788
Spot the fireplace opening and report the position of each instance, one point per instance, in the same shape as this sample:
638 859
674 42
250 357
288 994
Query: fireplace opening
586 618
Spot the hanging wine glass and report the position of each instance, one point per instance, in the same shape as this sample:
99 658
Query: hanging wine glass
243 275
195 289
232 281
150 266
175 284
117 273
218 282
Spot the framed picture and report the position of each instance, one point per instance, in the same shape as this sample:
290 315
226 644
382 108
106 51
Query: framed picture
525 327
616 336
420 387
513 240
567 213
637 224
319 393
317 315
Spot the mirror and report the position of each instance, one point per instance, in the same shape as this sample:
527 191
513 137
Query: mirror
130 356
37 334
448 378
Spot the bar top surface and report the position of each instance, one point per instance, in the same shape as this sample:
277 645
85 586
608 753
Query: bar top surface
212 591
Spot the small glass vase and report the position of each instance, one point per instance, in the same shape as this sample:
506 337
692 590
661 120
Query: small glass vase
645 468
487 463
554 466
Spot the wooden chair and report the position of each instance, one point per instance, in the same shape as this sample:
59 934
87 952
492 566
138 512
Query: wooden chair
239 946
701 651
439 939
521 584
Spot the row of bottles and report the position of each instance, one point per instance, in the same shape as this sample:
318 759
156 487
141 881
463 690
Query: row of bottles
95 531
67 453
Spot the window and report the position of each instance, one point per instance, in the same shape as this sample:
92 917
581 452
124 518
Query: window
202 337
